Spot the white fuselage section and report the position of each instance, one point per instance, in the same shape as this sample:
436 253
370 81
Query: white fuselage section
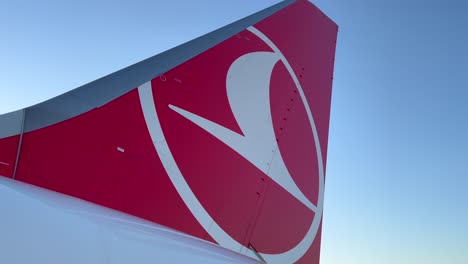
41 226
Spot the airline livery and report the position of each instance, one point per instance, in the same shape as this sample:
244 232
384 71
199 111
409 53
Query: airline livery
211 152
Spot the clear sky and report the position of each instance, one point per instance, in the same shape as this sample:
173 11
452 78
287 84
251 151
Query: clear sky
397 176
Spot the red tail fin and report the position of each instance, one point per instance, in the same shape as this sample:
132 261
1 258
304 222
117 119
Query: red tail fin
224 137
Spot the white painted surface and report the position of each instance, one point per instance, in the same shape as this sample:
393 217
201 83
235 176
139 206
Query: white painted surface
41 226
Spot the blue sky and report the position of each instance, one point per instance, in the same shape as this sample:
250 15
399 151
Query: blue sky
397 189
397 182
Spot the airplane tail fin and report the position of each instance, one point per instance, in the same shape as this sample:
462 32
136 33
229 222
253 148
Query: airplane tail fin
223 137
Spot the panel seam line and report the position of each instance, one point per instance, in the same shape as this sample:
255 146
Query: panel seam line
23 118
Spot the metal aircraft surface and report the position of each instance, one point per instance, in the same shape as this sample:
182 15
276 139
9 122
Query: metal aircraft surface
211 152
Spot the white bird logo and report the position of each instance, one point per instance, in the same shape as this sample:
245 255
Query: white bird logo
248 90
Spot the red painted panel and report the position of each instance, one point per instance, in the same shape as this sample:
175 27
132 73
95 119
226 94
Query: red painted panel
107 155
8 150
224 182
307 38
297 148
79 157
